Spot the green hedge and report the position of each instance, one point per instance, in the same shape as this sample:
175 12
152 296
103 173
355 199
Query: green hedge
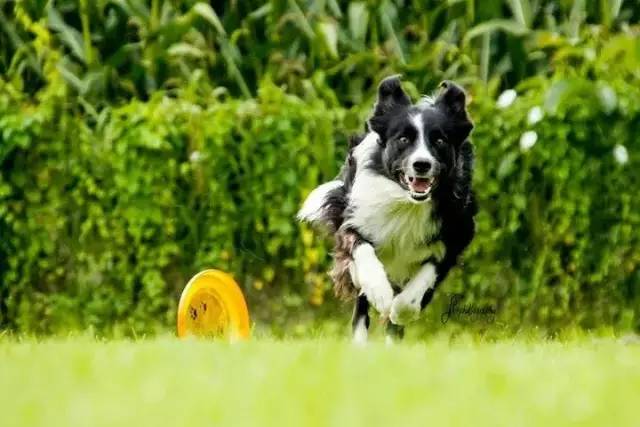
105 216
104 221
558 239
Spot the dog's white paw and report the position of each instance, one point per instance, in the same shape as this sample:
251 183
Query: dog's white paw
379 293
368 274
404 309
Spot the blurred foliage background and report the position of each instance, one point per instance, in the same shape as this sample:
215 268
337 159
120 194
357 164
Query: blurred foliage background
143 141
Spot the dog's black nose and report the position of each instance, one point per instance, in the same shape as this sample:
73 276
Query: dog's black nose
421 166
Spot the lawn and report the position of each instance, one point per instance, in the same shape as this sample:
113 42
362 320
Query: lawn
81 381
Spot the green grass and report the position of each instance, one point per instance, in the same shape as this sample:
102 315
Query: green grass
79 381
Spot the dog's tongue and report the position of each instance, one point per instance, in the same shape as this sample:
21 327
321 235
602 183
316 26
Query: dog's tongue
420 185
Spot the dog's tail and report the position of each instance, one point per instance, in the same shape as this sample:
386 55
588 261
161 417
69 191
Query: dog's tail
325 205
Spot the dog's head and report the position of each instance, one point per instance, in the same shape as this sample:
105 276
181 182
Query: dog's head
419 142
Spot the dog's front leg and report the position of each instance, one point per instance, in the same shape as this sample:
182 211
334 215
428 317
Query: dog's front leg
367 273
407 304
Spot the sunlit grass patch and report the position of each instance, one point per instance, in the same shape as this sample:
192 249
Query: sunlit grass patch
264 382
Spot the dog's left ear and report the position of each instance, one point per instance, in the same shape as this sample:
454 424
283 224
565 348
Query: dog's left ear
452 100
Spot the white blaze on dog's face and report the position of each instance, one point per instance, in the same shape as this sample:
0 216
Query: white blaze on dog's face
418 143
420 168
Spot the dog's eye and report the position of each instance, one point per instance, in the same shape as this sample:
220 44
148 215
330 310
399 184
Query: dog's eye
439 141
403 140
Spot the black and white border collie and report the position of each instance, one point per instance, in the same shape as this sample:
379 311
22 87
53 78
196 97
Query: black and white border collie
401 210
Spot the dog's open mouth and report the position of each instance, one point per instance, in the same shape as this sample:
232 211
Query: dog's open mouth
419 187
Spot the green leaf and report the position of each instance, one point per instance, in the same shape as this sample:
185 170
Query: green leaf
301 20
70 36
329 32
358 20
72 78
504 25
185 49
260 12
207 12
521 9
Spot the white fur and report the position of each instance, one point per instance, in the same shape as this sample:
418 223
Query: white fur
314 203
403 262
406 305
366 147
421 153
367 273
384 212
360 333
374 200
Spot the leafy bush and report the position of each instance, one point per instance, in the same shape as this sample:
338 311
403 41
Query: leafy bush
105 222
556 240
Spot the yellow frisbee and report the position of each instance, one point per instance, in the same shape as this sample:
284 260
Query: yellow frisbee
212 305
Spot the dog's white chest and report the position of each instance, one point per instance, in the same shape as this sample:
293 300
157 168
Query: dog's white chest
397 227
404 246
401 264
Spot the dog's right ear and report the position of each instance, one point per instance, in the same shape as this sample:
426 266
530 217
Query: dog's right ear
390 96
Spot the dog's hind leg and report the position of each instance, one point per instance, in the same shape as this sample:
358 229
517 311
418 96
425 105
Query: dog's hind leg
360 321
